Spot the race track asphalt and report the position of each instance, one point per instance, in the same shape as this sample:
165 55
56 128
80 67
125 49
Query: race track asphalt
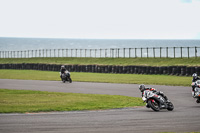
184 118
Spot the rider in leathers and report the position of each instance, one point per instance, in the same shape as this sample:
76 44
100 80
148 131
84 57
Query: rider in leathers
195 78
145 90
63 69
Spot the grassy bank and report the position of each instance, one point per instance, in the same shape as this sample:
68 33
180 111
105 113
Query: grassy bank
98 77
21 101
109 61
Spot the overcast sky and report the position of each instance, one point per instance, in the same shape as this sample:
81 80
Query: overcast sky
103 19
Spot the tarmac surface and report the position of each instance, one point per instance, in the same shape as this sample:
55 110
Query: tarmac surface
184 118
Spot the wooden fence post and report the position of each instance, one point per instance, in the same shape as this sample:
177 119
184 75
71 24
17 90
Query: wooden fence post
100 53
66 52
167 52
90 52
135 52
181 53
195 52
160 52
174 52
118 52
58 52
124 52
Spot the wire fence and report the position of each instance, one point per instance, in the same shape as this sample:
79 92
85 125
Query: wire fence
148 52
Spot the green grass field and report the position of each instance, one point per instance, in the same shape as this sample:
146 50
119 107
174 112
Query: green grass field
98 77
21 101
109 61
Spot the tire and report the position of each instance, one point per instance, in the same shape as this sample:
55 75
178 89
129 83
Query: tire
170 106
154 105
198 100
70 80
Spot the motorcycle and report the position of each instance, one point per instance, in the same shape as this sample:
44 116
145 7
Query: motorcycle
196 90
157 102
66 77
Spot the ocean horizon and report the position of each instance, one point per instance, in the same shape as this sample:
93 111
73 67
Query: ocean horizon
60 47
20 44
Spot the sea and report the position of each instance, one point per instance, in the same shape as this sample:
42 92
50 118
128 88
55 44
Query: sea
22 44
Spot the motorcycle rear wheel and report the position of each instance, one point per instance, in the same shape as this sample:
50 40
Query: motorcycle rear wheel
154 105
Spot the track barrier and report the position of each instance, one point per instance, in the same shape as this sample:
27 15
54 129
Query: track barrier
163 70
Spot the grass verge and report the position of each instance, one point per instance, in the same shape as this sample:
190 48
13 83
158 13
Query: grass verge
108 61
98 77
21 101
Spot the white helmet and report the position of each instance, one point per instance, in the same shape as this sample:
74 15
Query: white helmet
62 66
194 75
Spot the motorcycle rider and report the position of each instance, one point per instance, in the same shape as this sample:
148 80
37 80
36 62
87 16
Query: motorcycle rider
63 70
144 91
67 73
195 78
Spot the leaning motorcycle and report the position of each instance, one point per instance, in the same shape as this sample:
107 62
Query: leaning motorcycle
157 102
66 77
196 90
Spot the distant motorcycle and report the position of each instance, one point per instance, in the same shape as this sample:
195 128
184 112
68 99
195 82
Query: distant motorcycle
196 90
66 77
157 102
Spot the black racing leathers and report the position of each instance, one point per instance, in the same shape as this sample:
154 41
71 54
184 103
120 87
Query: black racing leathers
194 80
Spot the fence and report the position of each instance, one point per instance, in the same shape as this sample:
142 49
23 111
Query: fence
166 52
167 70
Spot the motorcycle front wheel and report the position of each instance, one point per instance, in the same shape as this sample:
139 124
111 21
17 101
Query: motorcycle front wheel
198 100
63 80
70 80
154 105
170 106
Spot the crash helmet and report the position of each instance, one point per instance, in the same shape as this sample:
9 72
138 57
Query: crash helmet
194 75
142 87
62 67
